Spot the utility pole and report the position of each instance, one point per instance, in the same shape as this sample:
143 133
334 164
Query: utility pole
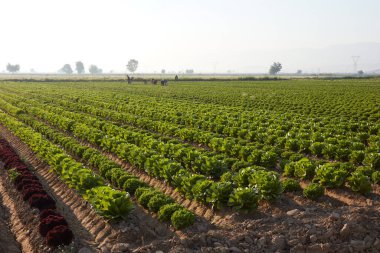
355 59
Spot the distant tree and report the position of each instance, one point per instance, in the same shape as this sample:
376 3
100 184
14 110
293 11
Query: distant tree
67 69
13 68
189 71
299 72
163 71
79 67
275 68
360 72
93 69
132 65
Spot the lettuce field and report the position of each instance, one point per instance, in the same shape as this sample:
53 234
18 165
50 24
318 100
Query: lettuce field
207 166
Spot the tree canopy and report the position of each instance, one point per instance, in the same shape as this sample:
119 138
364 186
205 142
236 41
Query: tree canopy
93 69
132 65
275 68
79 67
66 69
13 68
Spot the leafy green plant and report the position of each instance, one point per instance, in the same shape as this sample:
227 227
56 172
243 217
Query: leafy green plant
357 156
145 197
13 174
268 159
331 175
182 218
376 177
165 213
139 191
110 203
244 199
313 191
201 190
316 148
290 185
359 182
242 177
267 182
123 178
188 184
130 185
304 169
219 194
157 201
289 169
239 165
373 160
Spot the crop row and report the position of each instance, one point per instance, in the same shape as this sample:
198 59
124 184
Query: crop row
192 185
328 145
52 225
105 200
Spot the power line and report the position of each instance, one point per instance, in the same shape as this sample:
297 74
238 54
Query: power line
355 59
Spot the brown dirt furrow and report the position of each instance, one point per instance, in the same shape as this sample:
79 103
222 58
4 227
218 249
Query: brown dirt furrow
8 241
348 198
23 220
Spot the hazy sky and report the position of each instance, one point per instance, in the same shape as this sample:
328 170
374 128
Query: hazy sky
205 35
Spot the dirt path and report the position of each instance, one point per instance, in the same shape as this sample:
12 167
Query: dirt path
8 241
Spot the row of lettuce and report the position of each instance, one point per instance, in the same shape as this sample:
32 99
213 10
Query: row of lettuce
341 141
106 200
242 187
209 163
52 225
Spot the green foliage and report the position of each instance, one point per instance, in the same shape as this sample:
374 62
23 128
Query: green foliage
376 177
290 185
110 203
13 174
201 190
166 211
313 191
219 194
182 218
244 199
227 177
139 191
357 156
188 184
316 148
145 197
122 179
269 159
242 177
289 169
359 182
240 165
130 185
240 125
373 160
157 201
304 169
268 184
331 175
